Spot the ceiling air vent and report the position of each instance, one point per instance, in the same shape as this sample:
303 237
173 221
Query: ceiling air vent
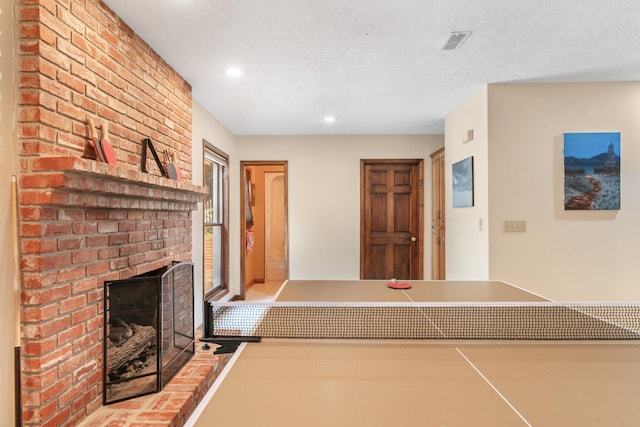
455 39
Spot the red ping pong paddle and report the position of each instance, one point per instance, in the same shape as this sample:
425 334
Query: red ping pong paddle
394 284
95 140
175 164
171 168
107 148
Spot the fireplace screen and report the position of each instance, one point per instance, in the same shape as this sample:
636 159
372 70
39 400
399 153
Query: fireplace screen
149 331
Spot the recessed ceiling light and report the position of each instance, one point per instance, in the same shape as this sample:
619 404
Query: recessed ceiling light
233 72
329 119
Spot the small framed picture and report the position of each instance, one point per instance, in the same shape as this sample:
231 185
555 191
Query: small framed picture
462 177
592 171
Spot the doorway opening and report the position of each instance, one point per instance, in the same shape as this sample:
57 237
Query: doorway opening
264 222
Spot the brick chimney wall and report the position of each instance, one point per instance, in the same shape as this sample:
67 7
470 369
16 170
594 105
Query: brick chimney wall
83 222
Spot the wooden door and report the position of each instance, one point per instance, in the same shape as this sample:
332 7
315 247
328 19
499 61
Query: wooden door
391 218
437 216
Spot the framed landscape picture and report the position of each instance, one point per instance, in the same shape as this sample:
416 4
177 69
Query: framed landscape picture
462 177
592 171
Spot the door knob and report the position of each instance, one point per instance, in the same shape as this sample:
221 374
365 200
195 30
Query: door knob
413 239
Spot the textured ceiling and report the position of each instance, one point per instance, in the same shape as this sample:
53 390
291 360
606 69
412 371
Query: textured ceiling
376 65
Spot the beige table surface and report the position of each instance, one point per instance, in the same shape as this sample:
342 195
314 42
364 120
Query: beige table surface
423 383
421 291
293 382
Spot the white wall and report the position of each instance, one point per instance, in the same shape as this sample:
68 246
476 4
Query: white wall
7 169
467 240
206 127
324 194
565 255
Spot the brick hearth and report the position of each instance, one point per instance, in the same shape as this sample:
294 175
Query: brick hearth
174 404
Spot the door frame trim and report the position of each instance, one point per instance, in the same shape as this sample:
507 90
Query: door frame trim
420 165
438 265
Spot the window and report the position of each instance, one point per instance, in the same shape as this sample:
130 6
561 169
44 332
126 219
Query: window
216 214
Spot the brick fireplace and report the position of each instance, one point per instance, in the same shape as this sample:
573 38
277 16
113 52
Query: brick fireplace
93 227
83 222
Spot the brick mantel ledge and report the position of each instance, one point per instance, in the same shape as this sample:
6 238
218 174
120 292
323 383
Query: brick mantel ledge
77 182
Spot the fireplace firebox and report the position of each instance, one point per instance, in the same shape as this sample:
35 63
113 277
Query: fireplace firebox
149 331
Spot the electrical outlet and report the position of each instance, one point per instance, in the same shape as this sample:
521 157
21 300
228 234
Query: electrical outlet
515 226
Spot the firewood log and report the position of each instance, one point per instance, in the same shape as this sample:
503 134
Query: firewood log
143 338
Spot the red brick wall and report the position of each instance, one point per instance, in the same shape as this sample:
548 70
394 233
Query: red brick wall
82 221
79 60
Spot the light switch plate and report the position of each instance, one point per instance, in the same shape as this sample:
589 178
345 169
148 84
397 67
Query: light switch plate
515 226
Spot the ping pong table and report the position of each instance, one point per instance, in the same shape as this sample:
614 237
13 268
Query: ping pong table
407 382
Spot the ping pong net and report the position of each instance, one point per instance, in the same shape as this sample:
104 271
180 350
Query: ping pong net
491 321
